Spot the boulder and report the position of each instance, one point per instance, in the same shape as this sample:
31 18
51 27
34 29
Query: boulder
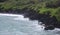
49 27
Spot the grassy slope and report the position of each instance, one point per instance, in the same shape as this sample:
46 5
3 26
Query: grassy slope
43 6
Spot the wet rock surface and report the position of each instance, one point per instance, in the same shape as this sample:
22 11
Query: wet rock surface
49 28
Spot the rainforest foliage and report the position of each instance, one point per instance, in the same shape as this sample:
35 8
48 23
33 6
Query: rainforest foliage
41 6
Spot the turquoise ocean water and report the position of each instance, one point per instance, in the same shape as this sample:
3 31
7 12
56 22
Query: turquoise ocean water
11 24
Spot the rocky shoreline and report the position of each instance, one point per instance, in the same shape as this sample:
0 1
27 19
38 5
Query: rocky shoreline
49 22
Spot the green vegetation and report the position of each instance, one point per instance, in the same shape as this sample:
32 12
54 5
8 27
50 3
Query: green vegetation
42 6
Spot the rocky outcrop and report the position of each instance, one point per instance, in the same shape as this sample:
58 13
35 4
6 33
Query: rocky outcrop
50 27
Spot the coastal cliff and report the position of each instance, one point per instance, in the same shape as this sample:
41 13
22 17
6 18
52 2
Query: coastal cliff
45 11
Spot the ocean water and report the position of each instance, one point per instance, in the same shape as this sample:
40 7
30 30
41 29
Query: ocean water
11 24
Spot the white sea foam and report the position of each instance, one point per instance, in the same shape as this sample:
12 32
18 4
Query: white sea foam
21 18
18 17
3 14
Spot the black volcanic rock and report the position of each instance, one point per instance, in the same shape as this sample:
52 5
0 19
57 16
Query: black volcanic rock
49 27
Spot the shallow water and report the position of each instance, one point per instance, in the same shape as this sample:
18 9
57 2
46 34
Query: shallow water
11 24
